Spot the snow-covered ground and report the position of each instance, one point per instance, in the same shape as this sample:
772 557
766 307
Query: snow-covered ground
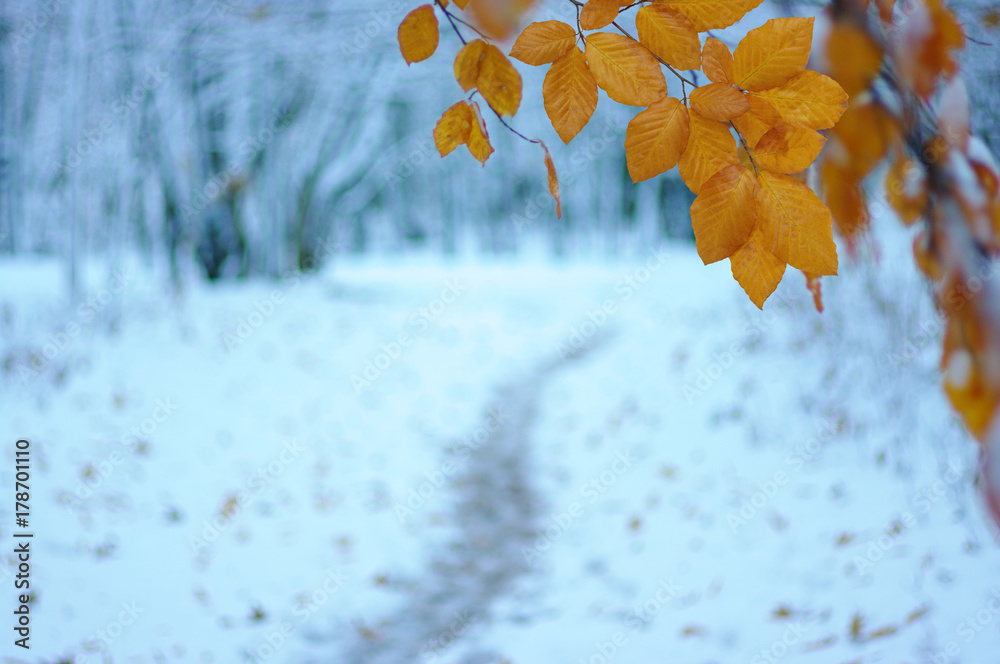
410 461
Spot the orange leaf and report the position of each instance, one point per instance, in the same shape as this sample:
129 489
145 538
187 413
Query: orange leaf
468 62
717 61
842 192
966 381
796 225
479 138
812 283
669 35
718 101
773 53
453 128
906 189
461 3
756 122
418 34
853 56
498 82
865 133
808 100
598 13
498 18
553 180
656 138
710 148
756 269
788 149
570 94
925 258
544 42
711 14
724 214
923 48
625 69
885 10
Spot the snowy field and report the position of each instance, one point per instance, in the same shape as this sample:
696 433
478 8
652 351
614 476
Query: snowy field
526 462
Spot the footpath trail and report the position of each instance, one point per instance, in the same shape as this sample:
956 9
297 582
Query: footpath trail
495 516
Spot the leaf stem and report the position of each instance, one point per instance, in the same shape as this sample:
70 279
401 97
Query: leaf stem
451 19
504 122
746 148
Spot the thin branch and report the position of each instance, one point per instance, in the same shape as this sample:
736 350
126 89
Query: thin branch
451 19
468 25
515 131
746 148
504 122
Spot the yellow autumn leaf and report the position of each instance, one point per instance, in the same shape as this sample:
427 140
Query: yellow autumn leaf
461 3
966 380
718 101
841 188
467 63
453 128
717 61
788 149
550 166
479 138
724 214
885 8
756 122
570 94
598 13
669 35
808 99
772 54
864 135
710 148
924 47
418 34
656 138
498 82
796 226
853 57
906 189
711 14
756 269
814 286
625 69
498 18
543 42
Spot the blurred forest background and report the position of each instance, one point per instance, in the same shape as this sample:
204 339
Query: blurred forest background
233 138
209 151
230 139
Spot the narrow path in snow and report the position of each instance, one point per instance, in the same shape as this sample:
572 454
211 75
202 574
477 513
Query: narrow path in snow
495 513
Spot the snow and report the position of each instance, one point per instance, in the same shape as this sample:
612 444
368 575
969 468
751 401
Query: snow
589 461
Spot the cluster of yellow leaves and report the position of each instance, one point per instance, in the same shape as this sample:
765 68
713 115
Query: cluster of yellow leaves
749 207
920 46
952 188
478 66
462 124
